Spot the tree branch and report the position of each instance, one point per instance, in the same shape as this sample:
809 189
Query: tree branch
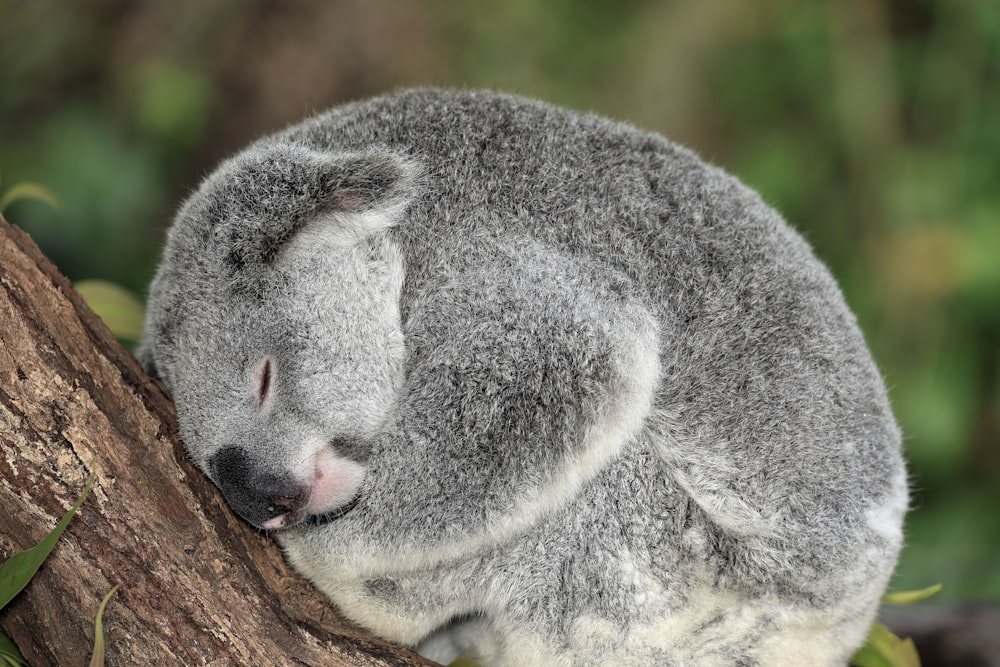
198 586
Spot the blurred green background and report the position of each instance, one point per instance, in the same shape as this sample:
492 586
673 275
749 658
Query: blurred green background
873 125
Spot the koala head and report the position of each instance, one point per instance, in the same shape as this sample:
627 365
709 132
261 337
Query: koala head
274 320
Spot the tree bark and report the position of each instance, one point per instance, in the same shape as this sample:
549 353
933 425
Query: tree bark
198 585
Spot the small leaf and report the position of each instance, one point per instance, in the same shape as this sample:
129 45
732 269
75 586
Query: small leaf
884 649
119 308
9 652
909 597
28 190
869 657
18 570
97 658
462 661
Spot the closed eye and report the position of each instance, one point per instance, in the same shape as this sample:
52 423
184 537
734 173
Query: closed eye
263 382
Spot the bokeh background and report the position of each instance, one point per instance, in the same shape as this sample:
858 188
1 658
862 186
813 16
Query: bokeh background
873 125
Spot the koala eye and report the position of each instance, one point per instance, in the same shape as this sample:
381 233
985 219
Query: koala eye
263 381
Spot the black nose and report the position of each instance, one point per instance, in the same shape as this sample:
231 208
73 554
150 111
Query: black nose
255 494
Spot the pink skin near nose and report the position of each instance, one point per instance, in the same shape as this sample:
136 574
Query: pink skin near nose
335 483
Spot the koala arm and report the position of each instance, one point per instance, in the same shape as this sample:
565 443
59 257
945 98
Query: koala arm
525 375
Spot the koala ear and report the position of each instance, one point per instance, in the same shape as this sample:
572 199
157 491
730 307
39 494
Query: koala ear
279 191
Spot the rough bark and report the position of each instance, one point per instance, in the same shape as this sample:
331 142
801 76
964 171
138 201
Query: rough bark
198 586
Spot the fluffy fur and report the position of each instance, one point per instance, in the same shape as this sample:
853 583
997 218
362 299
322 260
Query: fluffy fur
592 401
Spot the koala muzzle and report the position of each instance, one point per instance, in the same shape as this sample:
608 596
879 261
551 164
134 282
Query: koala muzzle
259 497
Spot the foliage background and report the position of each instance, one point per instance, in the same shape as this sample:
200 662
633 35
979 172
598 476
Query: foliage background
873 125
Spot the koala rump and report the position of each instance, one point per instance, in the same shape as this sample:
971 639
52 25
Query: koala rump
531 386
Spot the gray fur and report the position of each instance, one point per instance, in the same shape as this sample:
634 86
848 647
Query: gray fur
568 395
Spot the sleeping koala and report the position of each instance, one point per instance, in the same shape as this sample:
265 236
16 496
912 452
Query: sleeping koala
531 386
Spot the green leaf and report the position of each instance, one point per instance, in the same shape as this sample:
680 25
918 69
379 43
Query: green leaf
97 659
119 308
869 657
28 190
909 597
9 652
884 649
18 570
462 661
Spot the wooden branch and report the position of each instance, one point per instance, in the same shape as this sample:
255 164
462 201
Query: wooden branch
198 585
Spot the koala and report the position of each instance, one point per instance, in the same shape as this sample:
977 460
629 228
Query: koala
531 386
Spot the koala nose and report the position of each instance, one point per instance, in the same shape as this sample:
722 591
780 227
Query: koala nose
257 496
